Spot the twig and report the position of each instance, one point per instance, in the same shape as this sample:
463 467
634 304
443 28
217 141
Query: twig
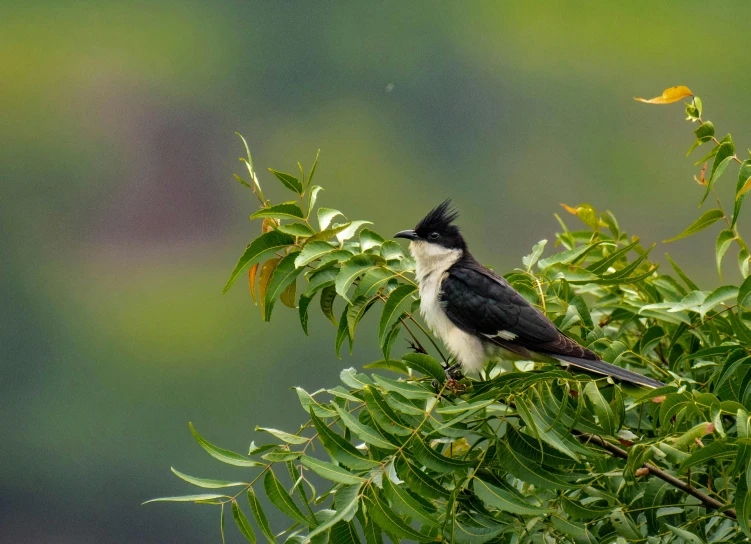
615 451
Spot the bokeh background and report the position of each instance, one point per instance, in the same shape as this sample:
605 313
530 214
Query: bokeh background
120 220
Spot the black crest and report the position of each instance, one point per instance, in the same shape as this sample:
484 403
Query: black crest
438 219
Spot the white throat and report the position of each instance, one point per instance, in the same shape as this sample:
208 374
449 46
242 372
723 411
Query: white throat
432 260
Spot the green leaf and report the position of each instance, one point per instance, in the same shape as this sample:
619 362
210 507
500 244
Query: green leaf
206 483
354 379
505 501
313 195
281 499
258 249
364 432
391 338
718 450
408 390
313 251
328 294
601 266
692 301
383 414
286 210
343 513
391 250
687 536
724 155
242 523
389 364
188 498
741 190
707 219
370 239
426 365
389 520
724 240
527 470
742 501
284 437
434 460
285 273
743 262
328 234
339 448
568 256
357 311
301 230
289 181
691 285
352 269
372 282
225 456
351 230
325 215
419 481
342 333
406 504
260 516
330 472
537 249
719 295
397 302
577 531
744 294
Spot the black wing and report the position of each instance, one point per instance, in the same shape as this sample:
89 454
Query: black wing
482 303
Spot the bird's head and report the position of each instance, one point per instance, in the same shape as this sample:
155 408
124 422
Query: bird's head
436 233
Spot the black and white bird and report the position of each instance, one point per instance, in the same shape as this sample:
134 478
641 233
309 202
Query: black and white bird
478 315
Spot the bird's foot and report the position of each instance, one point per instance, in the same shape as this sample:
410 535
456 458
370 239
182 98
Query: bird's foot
414 347
454 372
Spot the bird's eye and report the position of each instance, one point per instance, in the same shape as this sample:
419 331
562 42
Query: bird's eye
433 235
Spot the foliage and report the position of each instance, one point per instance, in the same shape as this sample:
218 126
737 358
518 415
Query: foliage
523 452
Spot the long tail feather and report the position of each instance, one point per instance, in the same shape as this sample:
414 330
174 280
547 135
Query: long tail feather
606 369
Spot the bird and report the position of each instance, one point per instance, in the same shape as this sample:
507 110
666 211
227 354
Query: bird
478 315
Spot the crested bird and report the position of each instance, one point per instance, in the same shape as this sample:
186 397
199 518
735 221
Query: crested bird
478 315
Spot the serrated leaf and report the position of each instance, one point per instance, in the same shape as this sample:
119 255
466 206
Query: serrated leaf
289 296
408 390
708 218
370 239
314 190
568 256
343 512
267 270
383 414
325 215
206 483
537 249
243 524
718 450
260 516
391 250
259 248
406 504
364 432
188 498
395 305
605 416
342 333
505 501
289 181
340 449
328 294
688 537
389 364
724 240
389 520
301 230
352 269
281 499
372 282
426 365
225 456
351 230
327 234
719 295
330 471
691 285
434 460
420 482
283 436
313 251
285 273
286 210
744 293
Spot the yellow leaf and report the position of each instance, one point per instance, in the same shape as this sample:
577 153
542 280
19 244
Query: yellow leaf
569 209
288 295
269 224
673 94
746 187
701 180
263 281
252 272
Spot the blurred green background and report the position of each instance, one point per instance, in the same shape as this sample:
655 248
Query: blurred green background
120 220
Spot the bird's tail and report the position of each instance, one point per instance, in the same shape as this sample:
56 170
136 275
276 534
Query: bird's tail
606 369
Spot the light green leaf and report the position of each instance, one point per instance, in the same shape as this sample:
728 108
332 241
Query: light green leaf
327 234
372 282
708 218
370 239
206 483
329 471
605 415
408 390
340 449
325 215
364 432
281 435
264 245
744 294
719 449
352 269
687 536
391 250
281 499
354 379
724 240
568 256
537 249
719 295
289 181
225 456
741 189
285 273
344 512
389 364
397 302
313 195
301 230
350 231
286 210
313 251
504 500
692 301
188 498
724 155
243 524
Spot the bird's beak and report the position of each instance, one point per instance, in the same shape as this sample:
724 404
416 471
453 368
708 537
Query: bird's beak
408 234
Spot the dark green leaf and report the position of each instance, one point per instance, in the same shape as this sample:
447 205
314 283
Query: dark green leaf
352 269
329 471
286 210
434 460
397 302
327 303
722 158
261 247
289 181
225 456
406 504
243 524
744 175
285 437
260 516
285 273
281 499
504 500
708 218
426 365
389 520
691 285
340 449
300 230
364 432
313 251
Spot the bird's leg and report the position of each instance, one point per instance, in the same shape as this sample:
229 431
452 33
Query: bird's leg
414 347
453 372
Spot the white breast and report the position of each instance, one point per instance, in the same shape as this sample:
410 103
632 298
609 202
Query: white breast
432 263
